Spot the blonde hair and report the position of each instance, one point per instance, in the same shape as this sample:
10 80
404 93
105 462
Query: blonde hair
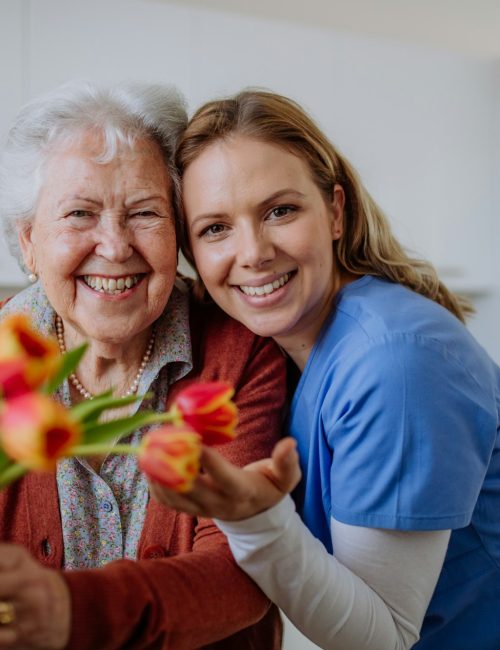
367 245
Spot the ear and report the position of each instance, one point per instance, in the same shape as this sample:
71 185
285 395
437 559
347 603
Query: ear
24 233
338 203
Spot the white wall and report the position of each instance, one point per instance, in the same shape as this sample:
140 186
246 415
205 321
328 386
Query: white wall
416 122
485 325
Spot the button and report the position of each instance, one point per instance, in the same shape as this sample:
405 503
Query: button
107 506
154 552
46 548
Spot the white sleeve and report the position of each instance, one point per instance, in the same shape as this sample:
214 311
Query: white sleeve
372 594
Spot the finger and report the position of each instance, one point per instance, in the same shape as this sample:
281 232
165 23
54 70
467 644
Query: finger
174 500
202 500
12 556
8 636
223 475
285 464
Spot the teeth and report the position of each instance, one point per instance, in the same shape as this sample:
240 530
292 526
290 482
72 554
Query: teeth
111 286
265 289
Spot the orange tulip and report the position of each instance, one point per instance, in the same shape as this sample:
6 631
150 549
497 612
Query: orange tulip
27 358
170 456
36 431
207 408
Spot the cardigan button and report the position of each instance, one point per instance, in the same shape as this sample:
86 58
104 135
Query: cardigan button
45 550
154 552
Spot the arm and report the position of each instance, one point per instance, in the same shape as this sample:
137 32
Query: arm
190 599
371 595
194 598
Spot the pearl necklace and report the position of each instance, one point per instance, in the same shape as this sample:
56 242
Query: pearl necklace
86 394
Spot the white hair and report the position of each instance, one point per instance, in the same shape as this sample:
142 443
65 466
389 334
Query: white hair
122 113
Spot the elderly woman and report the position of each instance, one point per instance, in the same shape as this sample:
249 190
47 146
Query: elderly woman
86 190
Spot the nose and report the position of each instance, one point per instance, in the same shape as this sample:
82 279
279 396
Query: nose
114 240
255 248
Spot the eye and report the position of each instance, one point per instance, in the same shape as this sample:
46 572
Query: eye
80 213
281 211
145 213
213 231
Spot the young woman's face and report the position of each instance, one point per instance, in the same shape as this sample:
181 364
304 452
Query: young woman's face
261 234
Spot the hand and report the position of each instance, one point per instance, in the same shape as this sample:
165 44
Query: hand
230 493
41 601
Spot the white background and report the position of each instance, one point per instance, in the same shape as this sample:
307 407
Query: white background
421 124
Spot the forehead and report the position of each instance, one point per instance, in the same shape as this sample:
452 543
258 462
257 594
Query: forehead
245 163
83 155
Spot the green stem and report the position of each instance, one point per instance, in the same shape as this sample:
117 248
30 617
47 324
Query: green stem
12 473
101 448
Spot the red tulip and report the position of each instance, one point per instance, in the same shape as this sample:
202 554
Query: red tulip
27 358
170 456
36 431
207 408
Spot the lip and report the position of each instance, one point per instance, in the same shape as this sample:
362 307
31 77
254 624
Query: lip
267 279
106 296
270 299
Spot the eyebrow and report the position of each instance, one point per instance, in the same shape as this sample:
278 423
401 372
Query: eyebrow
145 198
287 191
78 197
133 201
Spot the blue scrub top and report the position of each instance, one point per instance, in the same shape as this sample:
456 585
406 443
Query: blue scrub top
397 421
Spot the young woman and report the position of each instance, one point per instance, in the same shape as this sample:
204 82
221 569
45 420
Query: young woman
395 414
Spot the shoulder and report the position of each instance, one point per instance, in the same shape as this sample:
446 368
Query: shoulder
373 316
33 302
383 338
375 307
227 347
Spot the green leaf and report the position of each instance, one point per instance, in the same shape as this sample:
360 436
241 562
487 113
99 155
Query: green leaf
4 460
12 473
90 410
109 430
70 361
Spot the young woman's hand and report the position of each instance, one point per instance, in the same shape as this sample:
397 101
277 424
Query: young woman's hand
229 493
37 600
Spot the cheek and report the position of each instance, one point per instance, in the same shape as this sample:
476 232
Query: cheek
212 264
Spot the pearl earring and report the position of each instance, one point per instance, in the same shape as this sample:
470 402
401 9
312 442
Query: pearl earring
32 277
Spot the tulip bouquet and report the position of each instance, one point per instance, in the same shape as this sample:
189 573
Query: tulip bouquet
36 431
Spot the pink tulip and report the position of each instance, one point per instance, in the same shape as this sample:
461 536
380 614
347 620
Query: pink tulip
27 358
170 456
36 431
207 408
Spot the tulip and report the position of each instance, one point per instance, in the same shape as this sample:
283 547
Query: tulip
36 431
170 456
207 408
27 358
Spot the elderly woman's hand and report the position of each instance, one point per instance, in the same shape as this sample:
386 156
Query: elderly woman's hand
230 493
37 598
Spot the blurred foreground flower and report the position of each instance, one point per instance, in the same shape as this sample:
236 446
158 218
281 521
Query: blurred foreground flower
170 456
27 359
207 408
35 430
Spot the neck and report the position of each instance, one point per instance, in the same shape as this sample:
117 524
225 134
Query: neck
299 342
109 364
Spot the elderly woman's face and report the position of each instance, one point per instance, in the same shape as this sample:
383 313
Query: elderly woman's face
103 238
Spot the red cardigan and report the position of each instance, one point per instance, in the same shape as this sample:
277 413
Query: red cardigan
185 590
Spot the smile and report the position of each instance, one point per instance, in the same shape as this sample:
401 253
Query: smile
266 289
111 286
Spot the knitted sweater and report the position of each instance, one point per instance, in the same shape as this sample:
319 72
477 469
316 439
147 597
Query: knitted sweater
185 590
